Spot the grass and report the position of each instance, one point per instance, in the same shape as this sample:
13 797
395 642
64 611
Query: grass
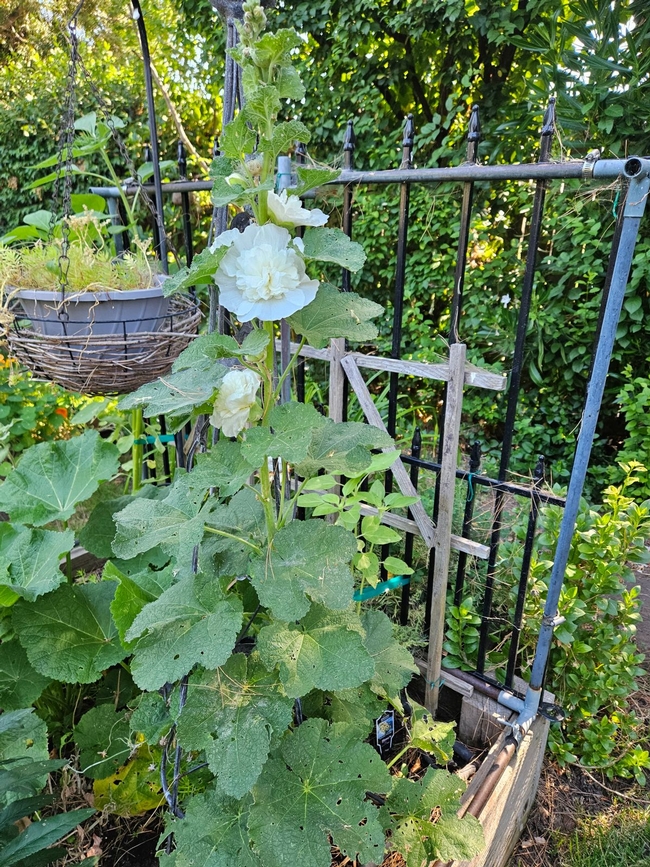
611 839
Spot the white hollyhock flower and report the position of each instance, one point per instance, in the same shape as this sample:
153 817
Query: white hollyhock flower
288 210
234 401
262 275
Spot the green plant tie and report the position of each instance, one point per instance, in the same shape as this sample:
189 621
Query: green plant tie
383 587
615 204
149 440
470 487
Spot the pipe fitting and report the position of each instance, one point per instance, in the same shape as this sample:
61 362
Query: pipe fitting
636 167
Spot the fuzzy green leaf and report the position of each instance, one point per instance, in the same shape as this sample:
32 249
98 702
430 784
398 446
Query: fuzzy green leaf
30 559
134 592
288 437
316 789
206 349
51 478
102 737
333 245
289 84
214 833
284 136
308 560
324 651
420 840
177 394
238 139
23 736
342 448
262 107
311 178
233 713
192 622
202 270
394 665
431 736
336 314
151 717
69 634
20 684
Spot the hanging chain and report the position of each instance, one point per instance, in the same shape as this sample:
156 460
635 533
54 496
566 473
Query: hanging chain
110 123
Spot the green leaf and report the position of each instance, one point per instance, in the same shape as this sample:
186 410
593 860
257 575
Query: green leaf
431 736
224 467
192 622
176 394
51 478
39 835
415 836
289 84
102 737
262 107
284 136
20 684
316 789
324 651
30 559
238 139
312 178
288 437
41 220
20 777
233 713
336 314
99 531
151 717
175 523
134 592
23 736
357 707
133 789
307 560
395 566
204 350
333 245
376 533
343 448
394 665
202 270
69 634
214 833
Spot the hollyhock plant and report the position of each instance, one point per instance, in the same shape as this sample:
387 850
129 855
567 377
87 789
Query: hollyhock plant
287 210
234 401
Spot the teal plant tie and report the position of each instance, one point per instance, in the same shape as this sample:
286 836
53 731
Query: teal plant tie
436 683
149 440
383 587
470 487
615 204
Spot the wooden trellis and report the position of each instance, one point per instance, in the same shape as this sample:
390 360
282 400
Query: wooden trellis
437 537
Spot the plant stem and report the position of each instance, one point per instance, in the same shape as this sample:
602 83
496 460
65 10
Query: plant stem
68 560
137 450
394 760
289 367
216 532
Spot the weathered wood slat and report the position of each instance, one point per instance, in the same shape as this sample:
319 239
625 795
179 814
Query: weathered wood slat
309 351
337 380
404 483
442 547
473 375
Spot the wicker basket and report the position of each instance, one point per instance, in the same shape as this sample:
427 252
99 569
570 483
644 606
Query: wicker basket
106 364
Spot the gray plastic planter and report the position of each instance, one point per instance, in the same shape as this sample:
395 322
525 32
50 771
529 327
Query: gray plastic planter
95 313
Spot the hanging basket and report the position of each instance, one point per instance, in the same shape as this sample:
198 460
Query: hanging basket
103 343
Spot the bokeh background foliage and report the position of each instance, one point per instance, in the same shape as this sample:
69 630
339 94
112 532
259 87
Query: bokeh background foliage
375 61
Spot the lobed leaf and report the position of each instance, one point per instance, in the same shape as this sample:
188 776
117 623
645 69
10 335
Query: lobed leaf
20 684
30 559
333 245
336 314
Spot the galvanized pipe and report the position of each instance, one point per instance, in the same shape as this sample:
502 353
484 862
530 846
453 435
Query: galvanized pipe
638 171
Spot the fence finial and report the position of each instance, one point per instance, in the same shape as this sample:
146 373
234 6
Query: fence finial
348 145
538 472
473 134
181 158
407 142
548 124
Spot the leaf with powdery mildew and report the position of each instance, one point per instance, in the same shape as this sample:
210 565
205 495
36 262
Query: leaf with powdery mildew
308 560
31 559
192 622
420 839
314 790
343 448
288 436
233 714
336 314
69 634
51 478
324 651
